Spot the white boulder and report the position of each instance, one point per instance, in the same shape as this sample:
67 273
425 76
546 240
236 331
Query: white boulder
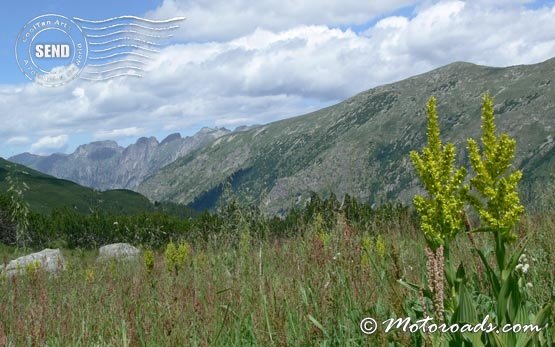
49 260
118 251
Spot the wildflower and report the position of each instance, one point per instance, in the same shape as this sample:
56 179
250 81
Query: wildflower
366 251
182 252
324 238
171 255
176 256
318 227
380 246
523 266
148 259
89 275
32 268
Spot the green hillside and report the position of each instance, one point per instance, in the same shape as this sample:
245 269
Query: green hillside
360 146
46 193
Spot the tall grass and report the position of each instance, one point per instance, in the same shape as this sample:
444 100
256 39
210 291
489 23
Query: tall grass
312 288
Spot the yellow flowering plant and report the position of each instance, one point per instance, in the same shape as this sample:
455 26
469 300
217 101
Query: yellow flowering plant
492 192
148 260
176 256
442 209
497 201
494 196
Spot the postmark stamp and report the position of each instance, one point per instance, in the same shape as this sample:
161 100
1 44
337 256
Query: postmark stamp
52 49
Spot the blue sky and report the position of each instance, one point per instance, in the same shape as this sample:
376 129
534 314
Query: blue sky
245 62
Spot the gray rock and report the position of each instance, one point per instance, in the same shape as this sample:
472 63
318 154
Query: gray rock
118 251
50 260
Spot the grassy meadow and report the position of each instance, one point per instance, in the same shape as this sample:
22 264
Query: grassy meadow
240 289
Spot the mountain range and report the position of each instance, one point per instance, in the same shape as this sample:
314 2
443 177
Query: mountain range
106 165
359 147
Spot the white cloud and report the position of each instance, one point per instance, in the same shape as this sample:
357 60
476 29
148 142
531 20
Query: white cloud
224 20
267 75
78 92
118 133
469 31
18 140
47 144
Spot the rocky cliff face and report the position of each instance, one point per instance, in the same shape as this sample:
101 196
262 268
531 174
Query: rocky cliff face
106 165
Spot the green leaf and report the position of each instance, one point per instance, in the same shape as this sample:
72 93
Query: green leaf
541 320
514 307
502 297
474 338
492 276
466 312
449 271
543 316
427 293
318 325
460 275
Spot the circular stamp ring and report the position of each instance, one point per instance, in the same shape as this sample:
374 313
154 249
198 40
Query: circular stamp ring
75 41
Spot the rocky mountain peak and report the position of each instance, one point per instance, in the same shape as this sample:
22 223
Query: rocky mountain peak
151 141
170 138
106 165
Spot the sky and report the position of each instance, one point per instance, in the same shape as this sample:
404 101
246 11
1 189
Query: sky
233 63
